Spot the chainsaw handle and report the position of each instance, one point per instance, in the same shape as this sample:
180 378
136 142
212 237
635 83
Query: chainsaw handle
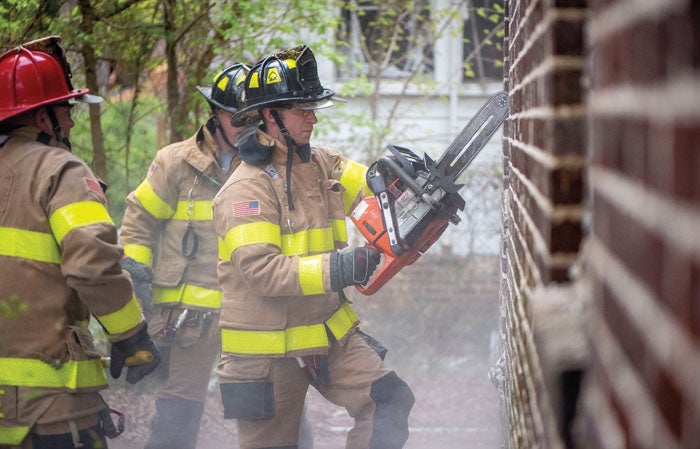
386 271
400 173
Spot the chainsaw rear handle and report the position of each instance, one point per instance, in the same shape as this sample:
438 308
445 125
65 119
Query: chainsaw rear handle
407 179
387 270
394 263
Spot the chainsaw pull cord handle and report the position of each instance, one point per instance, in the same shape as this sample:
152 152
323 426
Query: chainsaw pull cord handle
397 170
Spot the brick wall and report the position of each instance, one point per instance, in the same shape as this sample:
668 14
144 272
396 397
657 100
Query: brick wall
544 155
601 235
644 248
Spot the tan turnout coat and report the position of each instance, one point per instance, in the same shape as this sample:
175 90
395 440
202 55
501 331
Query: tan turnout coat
59 263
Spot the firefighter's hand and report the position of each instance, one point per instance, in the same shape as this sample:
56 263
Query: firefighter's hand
141 279
138 353
353 268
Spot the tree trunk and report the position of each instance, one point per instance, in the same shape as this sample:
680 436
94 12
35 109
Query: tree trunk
87 26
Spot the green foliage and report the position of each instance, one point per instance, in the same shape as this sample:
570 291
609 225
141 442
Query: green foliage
121 160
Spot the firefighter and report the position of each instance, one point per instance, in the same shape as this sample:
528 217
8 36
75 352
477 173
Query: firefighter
171 248
60 264
285 322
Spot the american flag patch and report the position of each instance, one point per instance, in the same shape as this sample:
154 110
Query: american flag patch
246 208
94 186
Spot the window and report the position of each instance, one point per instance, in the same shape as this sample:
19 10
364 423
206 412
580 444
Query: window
483 40
387 37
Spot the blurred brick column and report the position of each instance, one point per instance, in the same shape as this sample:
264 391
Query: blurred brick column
544 154
643 388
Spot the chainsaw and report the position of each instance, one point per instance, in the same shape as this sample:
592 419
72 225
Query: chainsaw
416 199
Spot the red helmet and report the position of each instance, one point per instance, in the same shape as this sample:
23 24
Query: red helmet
31 78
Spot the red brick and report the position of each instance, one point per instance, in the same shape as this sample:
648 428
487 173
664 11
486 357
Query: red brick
606 141
694 299
567 37
566 136
635 138
669 398
685 155
644 63
677 283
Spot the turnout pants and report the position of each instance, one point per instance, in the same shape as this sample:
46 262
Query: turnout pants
266 397
188 366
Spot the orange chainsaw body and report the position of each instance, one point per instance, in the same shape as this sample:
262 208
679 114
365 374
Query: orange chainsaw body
415 199
368 220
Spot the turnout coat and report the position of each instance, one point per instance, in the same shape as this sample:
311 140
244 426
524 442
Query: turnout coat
59 264
274 271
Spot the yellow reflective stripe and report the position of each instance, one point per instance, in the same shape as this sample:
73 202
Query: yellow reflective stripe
223 254
73 374
13 436
188 295
340 230
297 338
76 215
251 233
201 210
299 243
311 274
123 319
342 321
140 253
353 179
152 202
31 245
309 241
274 342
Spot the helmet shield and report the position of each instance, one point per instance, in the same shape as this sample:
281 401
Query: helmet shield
290 76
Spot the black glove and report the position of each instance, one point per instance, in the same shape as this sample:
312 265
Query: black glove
141 279
353 268
138 353
316 369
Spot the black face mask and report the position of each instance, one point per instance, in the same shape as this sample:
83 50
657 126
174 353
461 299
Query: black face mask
251 150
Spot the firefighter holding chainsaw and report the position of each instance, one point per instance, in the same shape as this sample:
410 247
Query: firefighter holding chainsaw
60 264
285 322
171 250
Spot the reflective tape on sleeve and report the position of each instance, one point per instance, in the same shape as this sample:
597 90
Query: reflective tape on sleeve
150 201
311 274
140 253
76 215
123 319
353 179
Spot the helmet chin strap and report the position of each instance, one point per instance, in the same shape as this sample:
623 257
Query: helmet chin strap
214 125
58 131
291 148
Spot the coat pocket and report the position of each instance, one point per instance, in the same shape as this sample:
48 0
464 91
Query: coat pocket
242 369
334 194
81 344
